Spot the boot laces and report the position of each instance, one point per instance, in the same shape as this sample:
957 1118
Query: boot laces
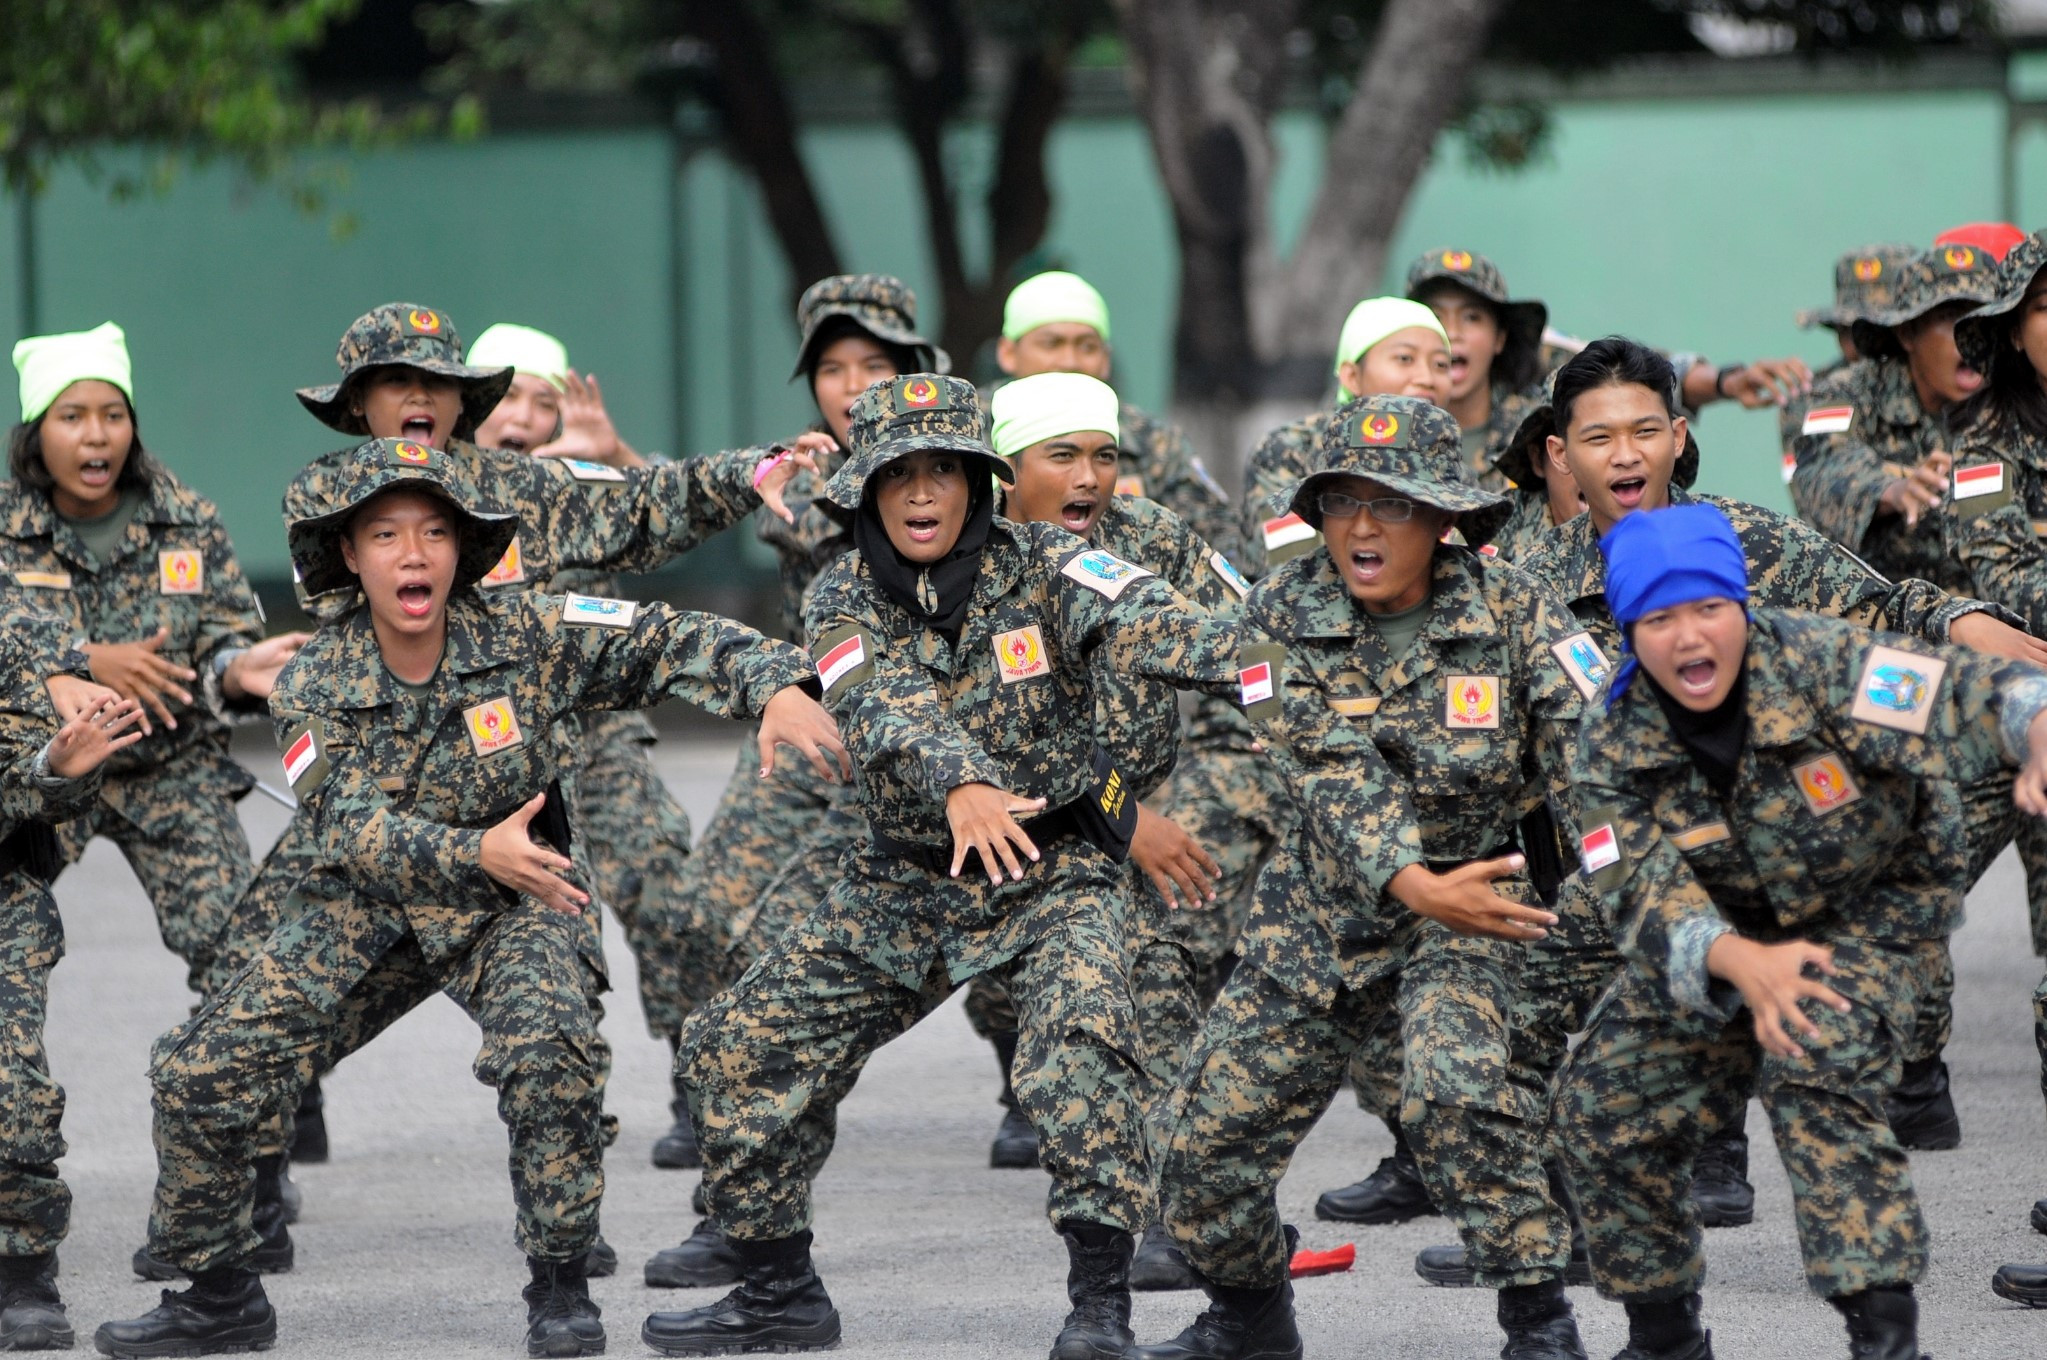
557 1297
1717 1161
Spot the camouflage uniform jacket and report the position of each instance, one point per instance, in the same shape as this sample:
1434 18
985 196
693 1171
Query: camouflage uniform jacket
1789 567
1136 720
1845 817
1996 519
1049 614
1863 428
803 549
571 513
1526 530
28 790
173 568
401 788
1159 464
1430 757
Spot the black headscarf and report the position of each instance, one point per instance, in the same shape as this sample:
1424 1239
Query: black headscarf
936 595
1713 738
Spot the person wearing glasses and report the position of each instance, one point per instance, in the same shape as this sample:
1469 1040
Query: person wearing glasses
1420 699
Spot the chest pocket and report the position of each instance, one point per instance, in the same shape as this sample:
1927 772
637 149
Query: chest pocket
1016 667
1442 761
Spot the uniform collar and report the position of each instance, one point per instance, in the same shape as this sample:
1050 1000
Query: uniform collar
32 514
1574 547
478 640
1457 608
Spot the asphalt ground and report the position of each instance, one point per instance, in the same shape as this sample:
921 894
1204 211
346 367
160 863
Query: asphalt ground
405 1246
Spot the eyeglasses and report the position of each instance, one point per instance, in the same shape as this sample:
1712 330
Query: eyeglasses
1386 509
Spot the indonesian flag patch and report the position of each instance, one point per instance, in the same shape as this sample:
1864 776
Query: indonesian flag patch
1600 848
1827 420
1979 479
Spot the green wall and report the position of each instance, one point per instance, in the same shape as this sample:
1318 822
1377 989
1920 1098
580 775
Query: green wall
1695 223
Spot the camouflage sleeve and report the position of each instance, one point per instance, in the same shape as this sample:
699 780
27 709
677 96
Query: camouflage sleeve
889 712
1269 473
1562 676
1828 579
1138 723
2000 546
1188 491
28 722
387 854
1126 617
1838 481
38 644
623 654
640 519
231 620
1664 920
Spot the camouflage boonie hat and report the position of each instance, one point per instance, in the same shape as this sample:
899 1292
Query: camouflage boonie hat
387 465
411 336
1977 333
1526 455
882 304
907 415
1406 445
1944 274
1523 321
1865 282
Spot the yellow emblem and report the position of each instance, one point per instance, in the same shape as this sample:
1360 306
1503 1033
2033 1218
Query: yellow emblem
1826 784
1869 271
1960 257
1379 429
510 570
1472 701
1459 260
180 571
426 323
492 725
1020 654
410 453
920 392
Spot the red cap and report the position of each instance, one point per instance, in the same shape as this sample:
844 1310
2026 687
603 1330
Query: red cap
1996 237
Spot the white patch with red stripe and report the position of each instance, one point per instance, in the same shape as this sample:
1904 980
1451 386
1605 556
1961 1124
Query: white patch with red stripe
300 755
1828 420
1979 479
1600 849
1254 684
847 656
1287 529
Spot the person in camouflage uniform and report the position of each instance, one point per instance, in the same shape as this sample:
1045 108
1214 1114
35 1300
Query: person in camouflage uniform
1772 813
1995 520
57 730
1419 700
1870 451
402 376
1056 322
955 646
638 833
1619 436
425 733
1496 352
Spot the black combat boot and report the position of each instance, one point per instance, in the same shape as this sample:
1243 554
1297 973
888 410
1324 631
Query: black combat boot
676 1150
1539 1323
1392 1194
1159 1265
2021 1284
309 1136
1098 1286
700 1200
1922 1109
1447 1266
1720 1185
1016 1142
704 1259
31 1315
274 1255
560 1318
224 1310
601 1261
1883 1323
780 1305
1666 1329
2040 1215
1238 1324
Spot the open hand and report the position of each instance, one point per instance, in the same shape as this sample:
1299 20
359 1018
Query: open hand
253 674
982 819
1464 901
137 670
793 718
1772 981
515 859
1177 865
96 732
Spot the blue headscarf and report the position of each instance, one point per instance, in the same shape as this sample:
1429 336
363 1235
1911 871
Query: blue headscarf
1656 559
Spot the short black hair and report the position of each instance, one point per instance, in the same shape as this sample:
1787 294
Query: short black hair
25 455
1613 361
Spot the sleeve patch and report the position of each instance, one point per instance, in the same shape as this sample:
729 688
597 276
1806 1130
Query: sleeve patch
844 657
305 757
1582 660
599 611
1897 689
1828 420
1980 487
585 471
1102 572
1232 578
1260 672
1599 848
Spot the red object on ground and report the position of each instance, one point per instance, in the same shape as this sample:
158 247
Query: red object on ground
1332 1262
1996 237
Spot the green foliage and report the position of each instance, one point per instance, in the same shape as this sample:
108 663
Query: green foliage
189 82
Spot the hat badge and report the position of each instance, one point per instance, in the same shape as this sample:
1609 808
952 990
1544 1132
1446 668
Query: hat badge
426 323
411 453
1378 428
1869 271
1960 257
920 392
1459 260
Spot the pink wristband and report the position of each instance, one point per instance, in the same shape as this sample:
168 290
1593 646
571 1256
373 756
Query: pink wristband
767 465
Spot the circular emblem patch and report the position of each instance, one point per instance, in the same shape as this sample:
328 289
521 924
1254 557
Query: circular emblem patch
427 323
1869 271
1459 260
1960 257
411 453
1379 429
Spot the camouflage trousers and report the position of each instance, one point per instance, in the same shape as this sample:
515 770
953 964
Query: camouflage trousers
192 859
766 1063
1235 805
638 842
1647 1088
327 982
752 835
35 1204
1266 1064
